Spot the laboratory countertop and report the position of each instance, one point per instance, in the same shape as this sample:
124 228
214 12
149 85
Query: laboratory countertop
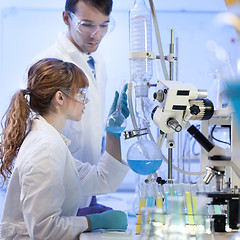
125 202
130 234
111 236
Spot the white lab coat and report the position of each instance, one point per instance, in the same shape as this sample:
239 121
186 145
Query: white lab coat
86 135
47 185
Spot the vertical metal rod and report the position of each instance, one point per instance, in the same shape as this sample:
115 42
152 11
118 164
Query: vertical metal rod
176 59
159 42
170 163
171 60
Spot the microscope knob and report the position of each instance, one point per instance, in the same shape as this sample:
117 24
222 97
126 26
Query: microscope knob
194 110
159 96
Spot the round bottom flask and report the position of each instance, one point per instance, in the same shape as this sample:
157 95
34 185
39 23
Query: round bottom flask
144 157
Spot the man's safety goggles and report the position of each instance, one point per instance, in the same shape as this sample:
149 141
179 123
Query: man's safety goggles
89 28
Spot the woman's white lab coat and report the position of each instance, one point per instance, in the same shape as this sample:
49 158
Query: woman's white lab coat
85 135
47 185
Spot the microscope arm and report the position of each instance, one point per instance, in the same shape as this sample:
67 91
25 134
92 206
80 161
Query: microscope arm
234 167
200 138
219 157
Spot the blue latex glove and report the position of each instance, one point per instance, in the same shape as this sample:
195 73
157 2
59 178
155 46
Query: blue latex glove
124 105
94 207
124 108
112 219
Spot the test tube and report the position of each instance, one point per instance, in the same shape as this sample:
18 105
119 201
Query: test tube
194 199
152 193
166 195
179 189
201 214
171 186
159 202
188 201
142 199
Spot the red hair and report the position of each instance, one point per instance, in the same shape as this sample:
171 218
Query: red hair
45 78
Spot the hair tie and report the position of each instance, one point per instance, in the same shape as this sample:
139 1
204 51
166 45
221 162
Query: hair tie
26 92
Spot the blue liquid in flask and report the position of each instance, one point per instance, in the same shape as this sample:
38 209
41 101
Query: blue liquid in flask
115 129
144 167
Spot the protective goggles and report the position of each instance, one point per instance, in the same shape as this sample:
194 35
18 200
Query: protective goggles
89 28
80 95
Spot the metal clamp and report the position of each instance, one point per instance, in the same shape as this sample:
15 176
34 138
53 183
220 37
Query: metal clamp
135 133
142 54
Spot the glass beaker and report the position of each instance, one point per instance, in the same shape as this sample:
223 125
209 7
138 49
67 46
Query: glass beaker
176 226
152 226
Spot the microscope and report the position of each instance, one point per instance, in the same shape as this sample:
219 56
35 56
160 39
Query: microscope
177 104
219 159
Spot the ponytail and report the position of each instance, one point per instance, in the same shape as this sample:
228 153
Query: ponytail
17 121
45 78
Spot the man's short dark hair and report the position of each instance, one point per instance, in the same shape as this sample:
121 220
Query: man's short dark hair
104 6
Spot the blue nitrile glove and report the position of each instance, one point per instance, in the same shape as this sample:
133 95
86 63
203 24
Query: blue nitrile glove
94 207
124 109
112 219
124 105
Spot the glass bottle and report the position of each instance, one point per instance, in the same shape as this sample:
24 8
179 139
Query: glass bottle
140 33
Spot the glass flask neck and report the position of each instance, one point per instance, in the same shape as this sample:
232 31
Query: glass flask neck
139 3
143 137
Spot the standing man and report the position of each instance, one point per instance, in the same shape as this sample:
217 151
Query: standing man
88 21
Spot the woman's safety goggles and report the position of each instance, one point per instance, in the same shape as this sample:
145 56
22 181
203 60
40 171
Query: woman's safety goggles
80 95
90 28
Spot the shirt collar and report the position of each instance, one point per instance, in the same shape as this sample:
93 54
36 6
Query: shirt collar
40 121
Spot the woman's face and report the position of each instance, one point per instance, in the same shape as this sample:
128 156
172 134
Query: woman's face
75 110
75 105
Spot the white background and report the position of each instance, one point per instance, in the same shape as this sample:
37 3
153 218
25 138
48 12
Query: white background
27 27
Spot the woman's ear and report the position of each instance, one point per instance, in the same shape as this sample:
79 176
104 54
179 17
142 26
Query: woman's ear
59 98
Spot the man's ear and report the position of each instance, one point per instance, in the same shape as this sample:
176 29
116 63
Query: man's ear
66 17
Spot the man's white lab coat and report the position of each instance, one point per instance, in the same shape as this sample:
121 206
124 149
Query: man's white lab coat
47 185
86 135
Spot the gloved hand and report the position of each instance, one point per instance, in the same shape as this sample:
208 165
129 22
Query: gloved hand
112 219
124 109
94 207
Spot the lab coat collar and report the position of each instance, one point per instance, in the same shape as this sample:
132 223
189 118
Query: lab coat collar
78 57
39 121
64 41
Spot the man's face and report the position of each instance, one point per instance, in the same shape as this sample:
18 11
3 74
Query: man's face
86 42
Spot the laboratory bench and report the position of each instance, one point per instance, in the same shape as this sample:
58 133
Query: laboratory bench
125 201
103 236
130 234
